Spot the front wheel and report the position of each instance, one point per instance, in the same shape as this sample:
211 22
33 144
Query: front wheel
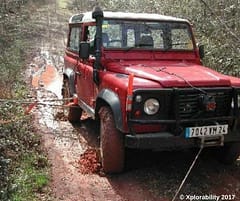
111 143
229 153
73 113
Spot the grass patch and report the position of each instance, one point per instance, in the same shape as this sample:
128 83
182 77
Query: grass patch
23 167
30 178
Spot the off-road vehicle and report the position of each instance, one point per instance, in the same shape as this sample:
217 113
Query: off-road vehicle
141 76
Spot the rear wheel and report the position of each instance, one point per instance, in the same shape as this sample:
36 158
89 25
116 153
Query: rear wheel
111 143
229 153
73 113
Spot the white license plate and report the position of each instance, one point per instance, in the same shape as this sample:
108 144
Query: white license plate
206 131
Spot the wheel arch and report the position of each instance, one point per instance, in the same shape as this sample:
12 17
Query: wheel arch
70 76
109 98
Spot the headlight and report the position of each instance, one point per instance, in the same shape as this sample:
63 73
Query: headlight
151 106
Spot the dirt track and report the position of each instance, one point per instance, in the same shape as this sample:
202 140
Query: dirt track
149 176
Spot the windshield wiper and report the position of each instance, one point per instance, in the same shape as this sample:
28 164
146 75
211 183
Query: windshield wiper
167 48
144 46
171 46
130 48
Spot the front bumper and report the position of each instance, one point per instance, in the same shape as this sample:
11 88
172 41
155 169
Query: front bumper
183 108
166 141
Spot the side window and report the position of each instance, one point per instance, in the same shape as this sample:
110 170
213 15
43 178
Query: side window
74 38
92 33
89 36
112 35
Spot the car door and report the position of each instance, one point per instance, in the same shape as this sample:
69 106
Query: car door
84 74
71 57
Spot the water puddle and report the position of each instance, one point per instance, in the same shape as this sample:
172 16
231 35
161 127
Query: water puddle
46 79
46 71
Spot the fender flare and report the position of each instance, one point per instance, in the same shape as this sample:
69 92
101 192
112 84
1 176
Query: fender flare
70 74
112 99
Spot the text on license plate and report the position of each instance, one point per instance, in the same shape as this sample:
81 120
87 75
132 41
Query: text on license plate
206 131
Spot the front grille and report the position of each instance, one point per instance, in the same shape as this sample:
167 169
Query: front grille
190 106
183 105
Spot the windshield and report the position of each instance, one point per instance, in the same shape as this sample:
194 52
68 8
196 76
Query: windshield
129 34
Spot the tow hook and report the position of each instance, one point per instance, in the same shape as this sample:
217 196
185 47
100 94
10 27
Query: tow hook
212 141
74 101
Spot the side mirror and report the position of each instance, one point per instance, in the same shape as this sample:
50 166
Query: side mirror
201 51
84 50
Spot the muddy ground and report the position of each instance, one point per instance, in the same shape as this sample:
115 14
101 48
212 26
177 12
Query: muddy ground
149 176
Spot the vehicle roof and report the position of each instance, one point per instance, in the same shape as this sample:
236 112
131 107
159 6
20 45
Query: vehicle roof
87 17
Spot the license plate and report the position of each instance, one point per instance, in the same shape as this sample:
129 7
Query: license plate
206 131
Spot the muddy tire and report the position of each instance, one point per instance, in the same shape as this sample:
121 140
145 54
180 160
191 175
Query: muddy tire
111 143
73 113
229 153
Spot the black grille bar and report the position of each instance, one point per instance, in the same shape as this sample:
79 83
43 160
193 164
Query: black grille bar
190 105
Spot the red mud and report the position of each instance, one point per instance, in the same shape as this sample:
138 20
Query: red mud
47 77
89 162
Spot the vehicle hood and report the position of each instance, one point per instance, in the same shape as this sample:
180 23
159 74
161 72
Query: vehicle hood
172 74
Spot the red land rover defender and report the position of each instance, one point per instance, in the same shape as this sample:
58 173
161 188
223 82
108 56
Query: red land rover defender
141 76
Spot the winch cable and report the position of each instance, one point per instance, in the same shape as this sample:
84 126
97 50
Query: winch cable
182 78
188 172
